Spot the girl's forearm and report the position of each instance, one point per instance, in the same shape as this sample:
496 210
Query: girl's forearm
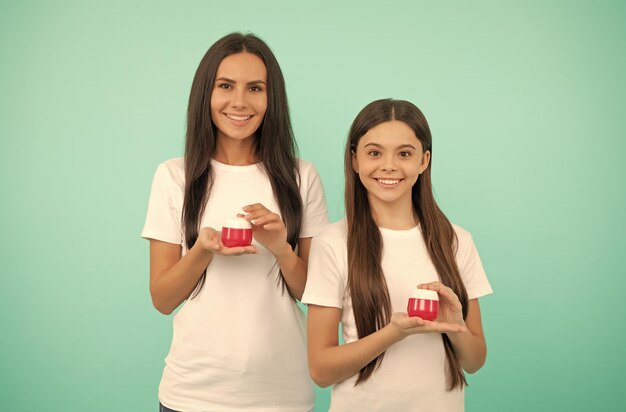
470 350
337 363
469 346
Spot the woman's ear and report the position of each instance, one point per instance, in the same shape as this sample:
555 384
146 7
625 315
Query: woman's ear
425 161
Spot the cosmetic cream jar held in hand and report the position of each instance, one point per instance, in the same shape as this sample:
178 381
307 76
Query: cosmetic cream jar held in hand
423 303
236 232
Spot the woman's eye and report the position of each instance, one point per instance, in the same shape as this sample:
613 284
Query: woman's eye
255 89
224 86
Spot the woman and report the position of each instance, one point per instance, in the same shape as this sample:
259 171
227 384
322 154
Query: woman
239 338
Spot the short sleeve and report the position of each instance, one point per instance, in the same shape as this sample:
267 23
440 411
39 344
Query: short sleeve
326 275
315 213
470 267
163 220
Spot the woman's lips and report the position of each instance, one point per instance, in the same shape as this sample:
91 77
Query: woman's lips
238 117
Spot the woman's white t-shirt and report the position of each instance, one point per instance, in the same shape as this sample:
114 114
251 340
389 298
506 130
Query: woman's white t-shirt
412 374
240 344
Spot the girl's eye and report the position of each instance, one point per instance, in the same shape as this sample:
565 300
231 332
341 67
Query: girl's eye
405 154
374 153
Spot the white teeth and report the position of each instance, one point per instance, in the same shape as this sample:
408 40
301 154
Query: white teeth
238 118
388 181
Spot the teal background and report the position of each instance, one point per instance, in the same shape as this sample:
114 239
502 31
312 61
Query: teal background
526 103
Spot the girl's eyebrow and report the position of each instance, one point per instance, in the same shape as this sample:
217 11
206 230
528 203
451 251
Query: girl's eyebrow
402 146
226 79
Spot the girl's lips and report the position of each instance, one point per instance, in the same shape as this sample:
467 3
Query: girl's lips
388 182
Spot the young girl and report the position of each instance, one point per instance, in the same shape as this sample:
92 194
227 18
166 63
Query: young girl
239 338
363 269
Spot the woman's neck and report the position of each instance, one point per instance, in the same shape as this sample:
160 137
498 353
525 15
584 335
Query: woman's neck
235 152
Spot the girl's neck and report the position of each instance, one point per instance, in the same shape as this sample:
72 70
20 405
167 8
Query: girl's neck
390 216
235 152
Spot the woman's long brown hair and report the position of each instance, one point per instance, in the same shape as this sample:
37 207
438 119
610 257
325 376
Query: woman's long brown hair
275 145
366 280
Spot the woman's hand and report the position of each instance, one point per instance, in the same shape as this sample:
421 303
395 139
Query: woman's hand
267 228
211 240
450 308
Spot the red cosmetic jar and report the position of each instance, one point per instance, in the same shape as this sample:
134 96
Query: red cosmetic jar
236 232
423 303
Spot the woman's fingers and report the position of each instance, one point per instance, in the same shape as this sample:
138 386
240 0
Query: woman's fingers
255 211
212 240
259 216
273 226
264 219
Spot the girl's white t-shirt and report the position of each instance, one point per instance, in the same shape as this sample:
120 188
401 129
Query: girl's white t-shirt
240 344
412 376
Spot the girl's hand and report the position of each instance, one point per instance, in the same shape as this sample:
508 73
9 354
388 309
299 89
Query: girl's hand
267 228
403 325
450 308
211 240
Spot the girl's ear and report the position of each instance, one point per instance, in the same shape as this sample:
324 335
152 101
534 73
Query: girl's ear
355 164
425 161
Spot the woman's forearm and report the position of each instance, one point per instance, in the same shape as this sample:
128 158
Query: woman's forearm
172 278
294 270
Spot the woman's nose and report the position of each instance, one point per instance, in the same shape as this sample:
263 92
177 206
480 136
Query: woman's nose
239 98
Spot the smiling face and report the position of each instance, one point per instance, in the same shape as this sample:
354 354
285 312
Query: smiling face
239 96
389 159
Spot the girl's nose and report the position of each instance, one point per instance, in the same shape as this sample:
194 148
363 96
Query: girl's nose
389 164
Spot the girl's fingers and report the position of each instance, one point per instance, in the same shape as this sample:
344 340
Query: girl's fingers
419 325
239 250
431 286
412 322
439 288
444 327
404 322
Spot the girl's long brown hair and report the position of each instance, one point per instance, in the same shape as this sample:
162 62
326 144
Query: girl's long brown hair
366 280
275 145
